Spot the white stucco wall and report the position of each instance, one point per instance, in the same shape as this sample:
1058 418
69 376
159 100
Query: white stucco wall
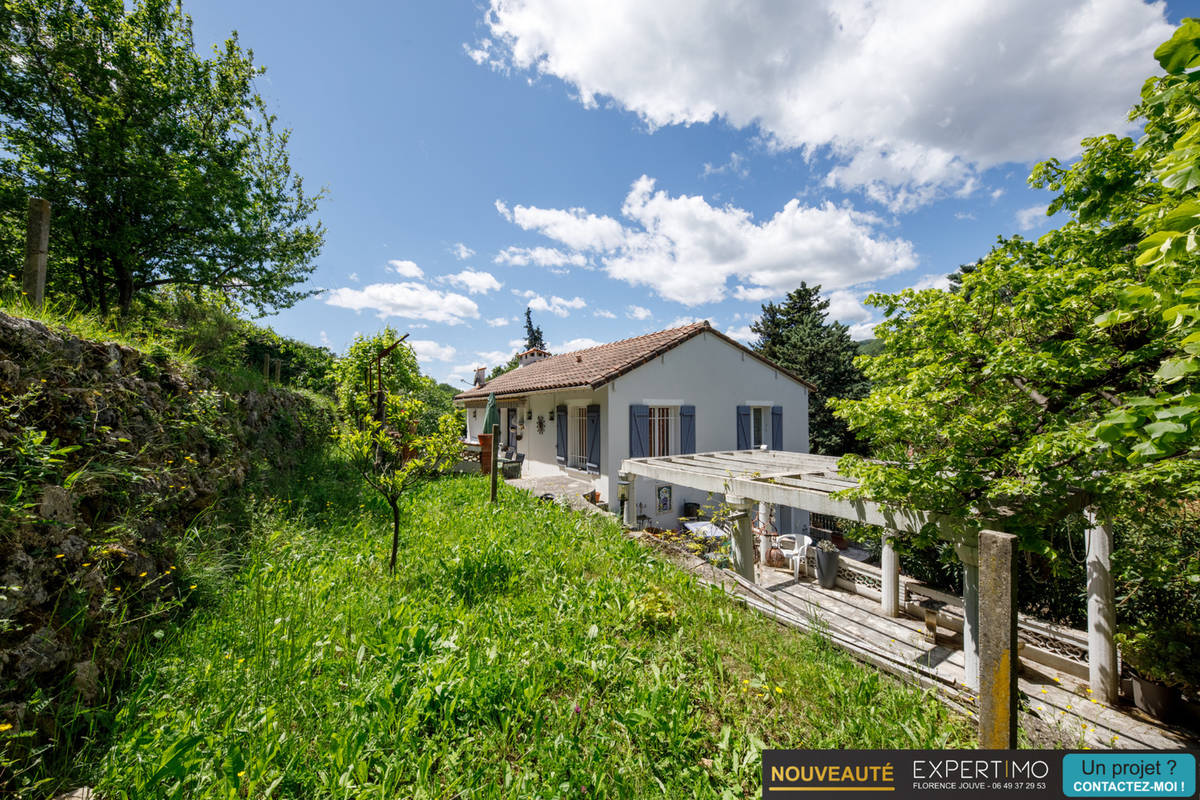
715 377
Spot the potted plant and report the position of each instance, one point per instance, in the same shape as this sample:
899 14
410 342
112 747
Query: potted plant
1158 659
827 563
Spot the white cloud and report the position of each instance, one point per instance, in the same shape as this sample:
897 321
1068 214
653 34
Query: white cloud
559 306
461 251
913 98
540 257
494 357
600 312
679 322
736 165
428 350
574 227
863 331
407 300
353 276
964 215
688 250
743 334
325 340
475 281
638 312
847 308
1032 217
499 322
406 269
571 345
516 344
933 281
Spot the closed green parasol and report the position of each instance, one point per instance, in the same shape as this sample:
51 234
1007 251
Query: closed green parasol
491 414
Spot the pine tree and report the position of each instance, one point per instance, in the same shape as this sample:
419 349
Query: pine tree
797 335
533 333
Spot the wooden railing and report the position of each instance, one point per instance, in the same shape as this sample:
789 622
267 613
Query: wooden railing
1056 646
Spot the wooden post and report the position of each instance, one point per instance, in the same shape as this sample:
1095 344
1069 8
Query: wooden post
997 640
266 367
741 538
889 568
278 370
1101 612
969 555
37 245
492 457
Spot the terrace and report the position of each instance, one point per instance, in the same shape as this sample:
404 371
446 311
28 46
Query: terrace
1069 678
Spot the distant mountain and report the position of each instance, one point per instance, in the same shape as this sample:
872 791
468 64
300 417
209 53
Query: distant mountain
869 347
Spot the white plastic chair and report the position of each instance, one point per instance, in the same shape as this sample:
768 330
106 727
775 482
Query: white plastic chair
795 547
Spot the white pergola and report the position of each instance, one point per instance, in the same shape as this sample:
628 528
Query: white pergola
813 483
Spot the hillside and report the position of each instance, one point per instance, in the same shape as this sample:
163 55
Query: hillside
109 459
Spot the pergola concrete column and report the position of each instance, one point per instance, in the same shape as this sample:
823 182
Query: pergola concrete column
889 568
1101 611
969 555
741 537
630 518
764 541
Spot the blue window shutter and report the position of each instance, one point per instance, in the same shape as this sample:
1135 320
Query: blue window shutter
639 431
743 427
560 447
776 427
593 438
687 429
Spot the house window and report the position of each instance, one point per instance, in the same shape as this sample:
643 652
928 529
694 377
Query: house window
664 423
577 438
758 427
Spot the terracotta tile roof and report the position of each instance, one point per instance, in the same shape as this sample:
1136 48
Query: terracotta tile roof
596 366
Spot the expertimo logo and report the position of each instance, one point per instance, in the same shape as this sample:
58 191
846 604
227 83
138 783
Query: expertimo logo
979 769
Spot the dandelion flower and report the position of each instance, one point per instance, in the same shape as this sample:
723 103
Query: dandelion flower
142 575
61 555
5 727
241 774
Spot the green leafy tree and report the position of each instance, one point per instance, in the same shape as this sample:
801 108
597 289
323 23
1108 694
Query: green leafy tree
392 455
162 167
797 335
1057 375
1158 180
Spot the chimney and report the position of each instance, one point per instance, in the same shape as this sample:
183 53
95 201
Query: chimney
531 356
480 376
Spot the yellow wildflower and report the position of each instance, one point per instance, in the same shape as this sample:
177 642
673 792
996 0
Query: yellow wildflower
5 727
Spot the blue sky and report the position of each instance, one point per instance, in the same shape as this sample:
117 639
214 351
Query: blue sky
622 166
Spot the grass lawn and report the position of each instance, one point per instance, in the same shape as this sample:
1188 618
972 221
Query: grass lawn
521 650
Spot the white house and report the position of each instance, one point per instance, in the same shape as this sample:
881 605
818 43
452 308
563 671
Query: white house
683 390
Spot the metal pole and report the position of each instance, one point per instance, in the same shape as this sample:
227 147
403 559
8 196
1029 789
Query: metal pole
492 456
